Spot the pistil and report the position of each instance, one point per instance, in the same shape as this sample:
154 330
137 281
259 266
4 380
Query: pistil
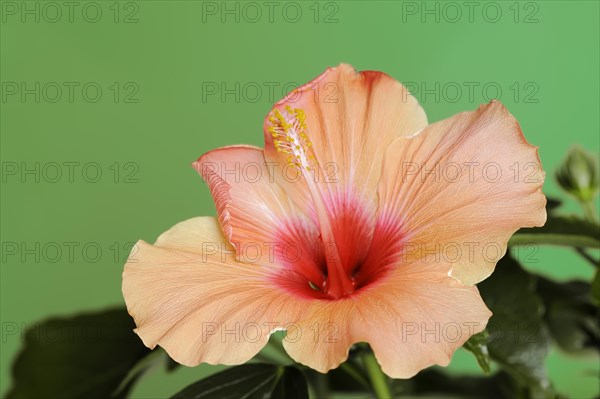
290 136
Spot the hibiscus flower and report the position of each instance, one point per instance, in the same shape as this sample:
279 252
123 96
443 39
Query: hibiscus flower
357 222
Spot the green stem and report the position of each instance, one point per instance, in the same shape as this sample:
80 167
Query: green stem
566 240
320 385
590 214
588 257
378 379
589 210
263 357
278 346
354 373
277 353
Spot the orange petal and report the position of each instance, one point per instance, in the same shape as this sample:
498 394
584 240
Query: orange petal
253 209
419 317
198 303
414 318
462 187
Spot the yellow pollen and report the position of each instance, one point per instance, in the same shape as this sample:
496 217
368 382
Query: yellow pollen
288 128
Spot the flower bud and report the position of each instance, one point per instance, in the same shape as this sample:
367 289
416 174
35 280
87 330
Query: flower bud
578 174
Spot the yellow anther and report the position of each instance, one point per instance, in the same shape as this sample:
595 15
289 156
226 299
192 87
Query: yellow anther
288 129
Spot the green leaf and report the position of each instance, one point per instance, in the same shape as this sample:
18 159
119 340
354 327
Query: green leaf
477 345
251 381
571 316
518 338
435 384
569 231
171 365
86 356
154 358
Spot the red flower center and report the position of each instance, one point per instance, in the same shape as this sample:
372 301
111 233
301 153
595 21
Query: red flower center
361 254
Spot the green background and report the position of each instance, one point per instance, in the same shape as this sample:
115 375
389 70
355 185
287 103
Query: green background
169 52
